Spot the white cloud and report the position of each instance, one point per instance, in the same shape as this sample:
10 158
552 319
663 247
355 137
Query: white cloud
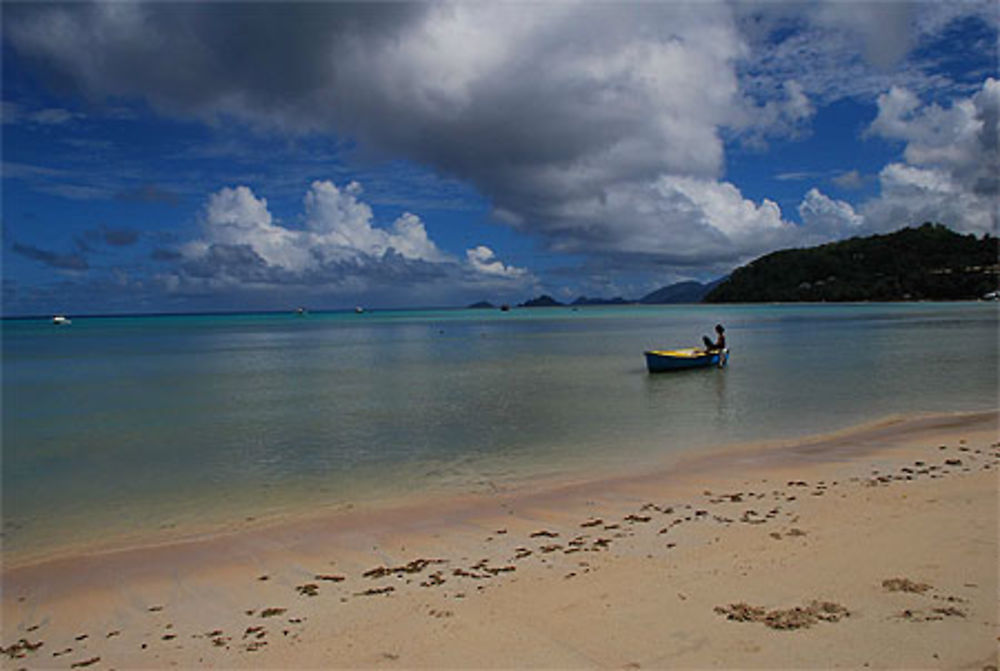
911 195
339 221
680 219
723 207
339 248
827 219
885 29
786 114
851 179
951 164
484 261
895 111
236 217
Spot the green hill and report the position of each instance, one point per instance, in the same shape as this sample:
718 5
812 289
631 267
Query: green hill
931 262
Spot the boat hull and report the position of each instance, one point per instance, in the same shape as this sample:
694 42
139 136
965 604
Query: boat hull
658 361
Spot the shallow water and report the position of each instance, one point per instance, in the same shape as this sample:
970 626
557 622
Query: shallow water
121 428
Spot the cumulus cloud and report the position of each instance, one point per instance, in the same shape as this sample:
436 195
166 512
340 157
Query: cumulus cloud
952 161
884 29
338 220
911 195
483 260
673 220
785 115
339 249
828 219
949 173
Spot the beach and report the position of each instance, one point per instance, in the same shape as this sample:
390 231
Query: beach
874 546
487 335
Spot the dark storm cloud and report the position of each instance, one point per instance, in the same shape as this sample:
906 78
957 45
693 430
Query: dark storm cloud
195 57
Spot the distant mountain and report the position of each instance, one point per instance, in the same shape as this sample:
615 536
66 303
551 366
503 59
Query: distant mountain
543 301
681 292
482 305
931 262
617 300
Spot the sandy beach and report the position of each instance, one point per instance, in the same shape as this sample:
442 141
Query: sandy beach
873 547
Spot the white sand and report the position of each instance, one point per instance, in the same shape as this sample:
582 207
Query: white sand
770 526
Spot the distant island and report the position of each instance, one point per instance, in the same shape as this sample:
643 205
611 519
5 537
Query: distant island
681 292
543 301
930 262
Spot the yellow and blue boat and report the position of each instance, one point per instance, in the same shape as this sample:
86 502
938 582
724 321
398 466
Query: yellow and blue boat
660 361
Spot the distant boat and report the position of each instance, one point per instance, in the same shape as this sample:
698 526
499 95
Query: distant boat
61 320
659 361
358 309
301 312
992 296
504 308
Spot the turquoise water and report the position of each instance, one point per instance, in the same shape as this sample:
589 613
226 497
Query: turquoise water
120 428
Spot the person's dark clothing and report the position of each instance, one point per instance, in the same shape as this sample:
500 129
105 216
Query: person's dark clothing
716 346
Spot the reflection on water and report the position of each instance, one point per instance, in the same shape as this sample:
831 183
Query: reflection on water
136 423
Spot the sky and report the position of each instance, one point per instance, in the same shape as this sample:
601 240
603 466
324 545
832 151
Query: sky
187 157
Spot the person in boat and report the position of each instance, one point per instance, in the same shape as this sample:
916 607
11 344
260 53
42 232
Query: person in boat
720 342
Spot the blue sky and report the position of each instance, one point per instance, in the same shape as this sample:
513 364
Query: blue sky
187 157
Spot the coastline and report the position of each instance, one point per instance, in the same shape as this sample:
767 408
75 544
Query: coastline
531 578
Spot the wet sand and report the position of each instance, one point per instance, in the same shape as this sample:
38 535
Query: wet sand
874 547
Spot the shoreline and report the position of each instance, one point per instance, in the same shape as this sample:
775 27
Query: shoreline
441 571
830 445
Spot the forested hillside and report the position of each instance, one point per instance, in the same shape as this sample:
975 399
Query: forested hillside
931 262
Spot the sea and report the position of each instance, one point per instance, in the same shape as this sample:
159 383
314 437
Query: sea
129 430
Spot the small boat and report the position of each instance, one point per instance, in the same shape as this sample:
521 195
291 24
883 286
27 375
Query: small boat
60 320
358 309
659 361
